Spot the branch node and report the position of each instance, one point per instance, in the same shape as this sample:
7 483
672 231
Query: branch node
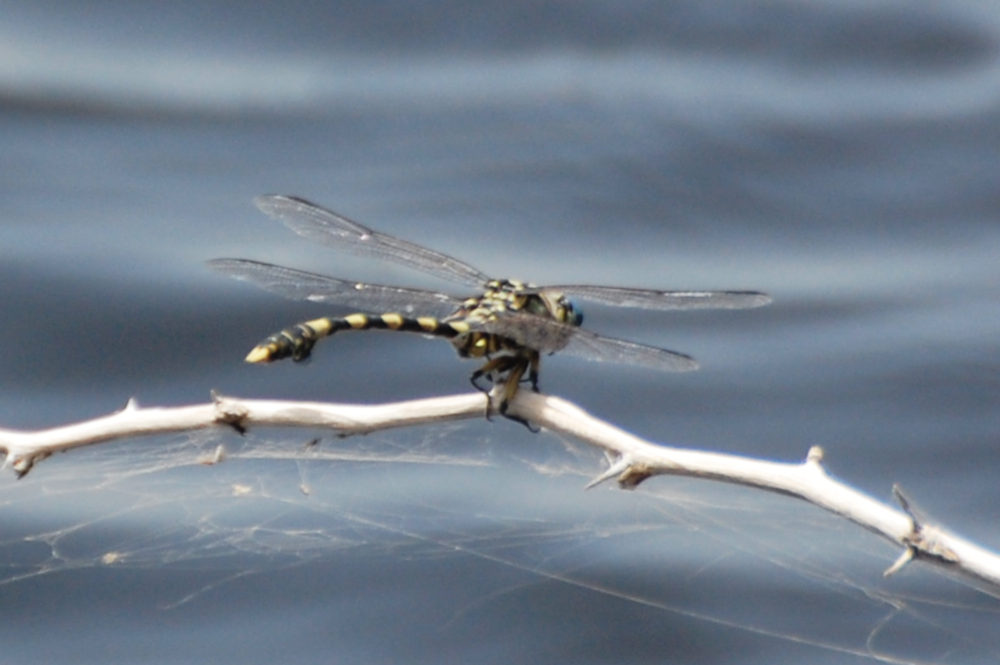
229 412
815 455
633 475
923 540
25 463
630 473
131 405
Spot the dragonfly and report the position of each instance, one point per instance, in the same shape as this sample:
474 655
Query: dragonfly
507 323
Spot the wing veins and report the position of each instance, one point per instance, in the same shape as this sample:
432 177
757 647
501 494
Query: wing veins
663 300
329 228
303 285
549 336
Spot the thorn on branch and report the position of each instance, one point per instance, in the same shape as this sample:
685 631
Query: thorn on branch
22 465
616 466
630 473
922 541
898 564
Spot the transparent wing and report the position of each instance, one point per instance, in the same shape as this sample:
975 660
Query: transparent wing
302 285
653 299
325 226
591 346
549 336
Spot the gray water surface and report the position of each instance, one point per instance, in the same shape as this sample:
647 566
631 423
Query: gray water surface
841 157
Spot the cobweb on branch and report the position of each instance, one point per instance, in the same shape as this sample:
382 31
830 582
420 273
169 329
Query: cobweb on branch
724 559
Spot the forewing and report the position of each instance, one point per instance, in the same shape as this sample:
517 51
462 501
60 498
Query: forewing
302 285
548 336
663 300
325 226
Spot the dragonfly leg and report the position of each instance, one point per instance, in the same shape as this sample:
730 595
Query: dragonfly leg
511 383
514 366
533 362
487 371
492 368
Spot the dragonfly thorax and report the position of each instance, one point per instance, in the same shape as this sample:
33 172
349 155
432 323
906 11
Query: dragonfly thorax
511 295
507 298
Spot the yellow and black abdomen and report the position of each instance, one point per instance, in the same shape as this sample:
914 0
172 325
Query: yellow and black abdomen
297 342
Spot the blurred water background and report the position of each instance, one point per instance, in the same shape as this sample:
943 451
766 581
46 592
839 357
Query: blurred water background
842 156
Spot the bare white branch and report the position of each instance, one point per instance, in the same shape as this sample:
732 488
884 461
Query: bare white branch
631 459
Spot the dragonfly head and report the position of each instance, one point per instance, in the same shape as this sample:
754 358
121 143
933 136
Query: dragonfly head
561 308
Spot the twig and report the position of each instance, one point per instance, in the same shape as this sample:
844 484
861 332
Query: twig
632 460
